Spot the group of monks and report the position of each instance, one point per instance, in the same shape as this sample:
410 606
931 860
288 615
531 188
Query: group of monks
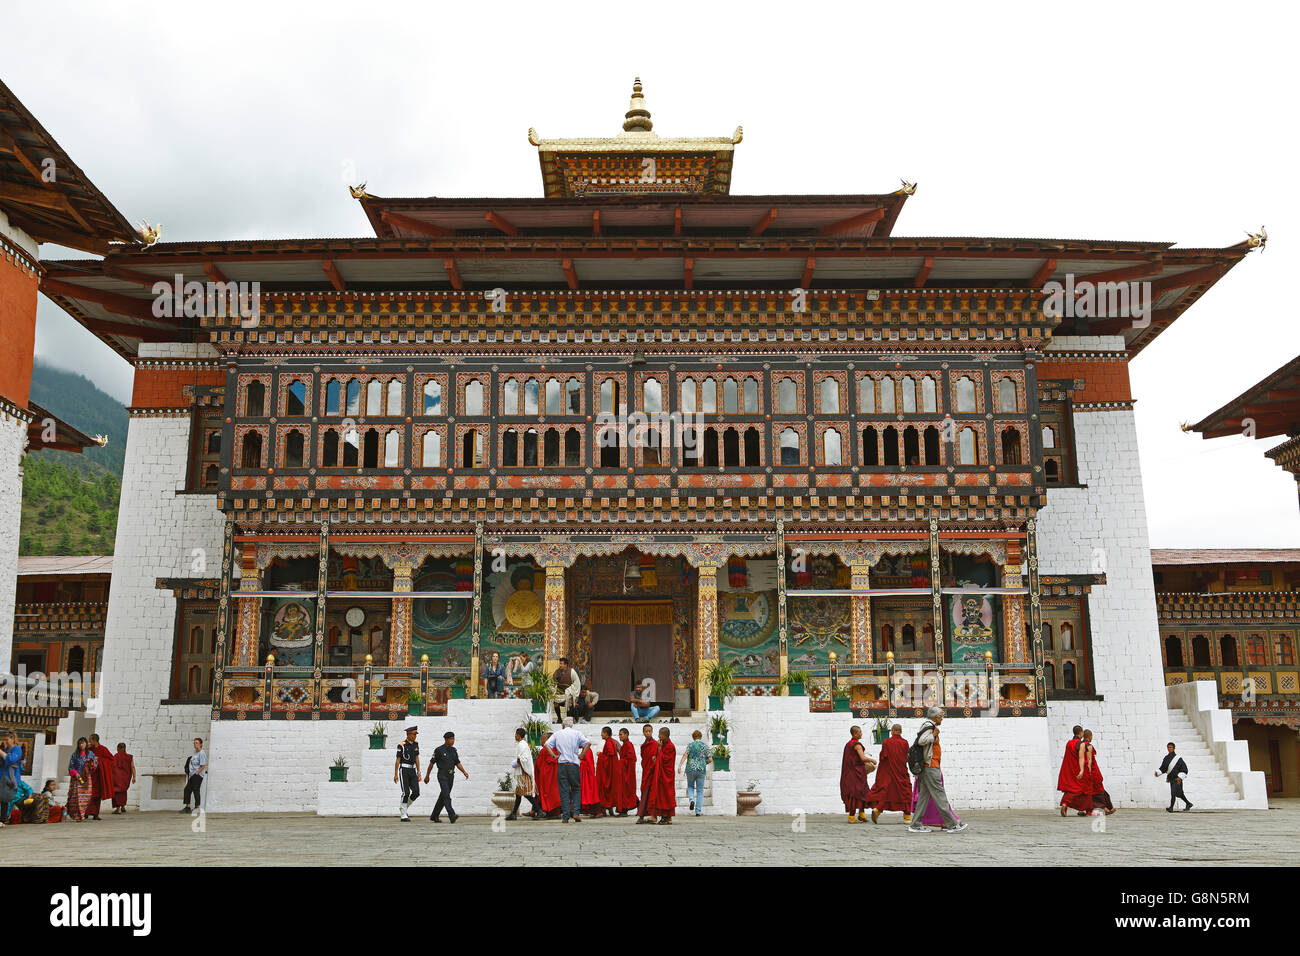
892 790
609 784
1080 780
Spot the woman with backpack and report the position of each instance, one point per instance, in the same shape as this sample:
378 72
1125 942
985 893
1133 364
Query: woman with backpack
923 759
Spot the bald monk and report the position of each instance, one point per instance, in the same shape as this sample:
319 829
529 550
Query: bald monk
663 785
589 791
1092 776
104 779
649 756
854 767
609 775
627 796
892 790
1074 790
548 782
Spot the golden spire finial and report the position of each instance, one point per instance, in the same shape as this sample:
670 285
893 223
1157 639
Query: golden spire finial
637 118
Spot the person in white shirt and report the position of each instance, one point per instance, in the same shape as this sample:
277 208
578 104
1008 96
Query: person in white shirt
643 700
569 746
567 688
525 781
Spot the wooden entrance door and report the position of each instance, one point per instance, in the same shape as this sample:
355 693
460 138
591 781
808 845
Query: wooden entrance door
622 654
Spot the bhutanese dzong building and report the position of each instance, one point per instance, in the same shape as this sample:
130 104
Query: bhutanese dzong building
644 423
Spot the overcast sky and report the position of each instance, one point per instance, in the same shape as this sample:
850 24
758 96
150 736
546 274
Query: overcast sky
1129 121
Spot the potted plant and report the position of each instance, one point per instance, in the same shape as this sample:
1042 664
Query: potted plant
534 728
414 703
504 797
841 698
378 737
458 687
721 757
339 771
718 727
794 681
747 800
540 688
879 730
722 683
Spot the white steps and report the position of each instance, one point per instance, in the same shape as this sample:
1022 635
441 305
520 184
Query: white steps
1218 765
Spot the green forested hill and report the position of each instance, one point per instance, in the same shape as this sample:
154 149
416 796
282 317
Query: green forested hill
70 500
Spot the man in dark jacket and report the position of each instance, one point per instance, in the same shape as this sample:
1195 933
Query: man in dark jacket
1174 768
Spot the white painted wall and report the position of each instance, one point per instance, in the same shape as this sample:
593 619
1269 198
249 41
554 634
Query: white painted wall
13 439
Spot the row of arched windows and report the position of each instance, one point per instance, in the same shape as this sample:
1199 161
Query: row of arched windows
511 449
1229 656
556 398
353 396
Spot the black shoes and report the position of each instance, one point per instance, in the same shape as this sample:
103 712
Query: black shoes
186 810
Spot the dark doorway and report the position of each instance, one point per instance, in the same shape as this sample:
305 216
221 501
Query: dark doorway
622 654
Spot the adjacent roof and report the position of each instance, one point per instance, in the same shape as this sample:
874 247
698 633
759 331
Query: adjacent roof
65 564
1163 557
1272 403
67 209
66 438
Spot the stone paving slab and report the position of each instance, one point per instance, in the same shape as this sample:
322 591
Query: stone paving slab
995 837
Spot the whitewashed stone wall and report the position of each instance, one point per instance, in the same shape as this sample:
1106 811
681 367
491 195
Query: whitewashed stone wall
1104 527
13 438
160 533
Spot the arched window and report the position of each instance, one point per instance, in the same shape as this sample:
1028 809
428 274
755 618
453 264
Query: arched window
831 442
891 446
1200 651
351 448
609 398
374 397
370 449
965 394
354 397
332 397
432 398
1010 446
1007 395
1067 636
293 449
214 443
1051 471
652 396
392 448
886 394
753 455
652 453
688 396
255 400
574 392
709 396
1068 680
431 452
295 398
789 446
931 445
731 448
909 637
194 679
886 637
751 396
830 390
509 448
211 475
710 447
532 393
551 447
787 397
472 450
1049 436
1173 651
196 640
866 394
1228 651
909 393
395 398
251 454
510 397
870 449
911 446
1256 652
530 448
730 396
610 443
474 398
691 439
929 401
572 448
967 453
553 406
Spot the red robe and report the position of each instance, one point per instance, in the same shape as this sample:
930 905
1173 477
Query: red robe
587 778
123 763
627 797
1095 785
103 780
548 782
663 782
853 777
649 755
893 787
1074 792
608 778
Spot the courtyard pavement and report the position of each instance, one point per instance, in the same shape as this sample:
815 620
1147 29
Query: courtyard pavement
995 837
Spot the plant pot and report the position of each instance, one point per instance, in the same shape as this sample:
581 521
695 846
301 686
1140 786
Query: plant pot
878 736
715 703
796 690
503 800
719 739
722 764
747 802
457 691
338 774
842 705
414 709
378 741
535 738
539 707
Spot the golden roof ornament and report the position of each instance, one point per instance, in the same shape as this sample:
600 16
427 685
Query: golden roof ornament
359 192
1257 240
637 118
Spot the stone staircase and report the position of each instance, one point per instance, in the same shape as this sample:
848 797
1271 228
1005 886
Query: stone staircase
1207 785
485 740
1219 775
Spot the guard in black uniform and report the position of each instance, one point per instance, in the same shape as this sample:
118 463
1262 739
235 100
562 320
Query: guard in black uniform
407 771
446 760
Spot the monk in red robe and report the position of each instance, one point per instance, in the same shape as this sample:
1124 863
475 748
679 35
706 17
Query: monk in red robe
663 783
627 796
609 777
893 787
548 781
587 779
1092 776
1074 792
104 779
123 777
649 757
854 767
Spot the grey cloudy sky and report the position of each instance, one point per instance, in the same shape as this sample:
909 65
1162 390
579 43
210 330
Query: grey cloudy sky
1134 121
